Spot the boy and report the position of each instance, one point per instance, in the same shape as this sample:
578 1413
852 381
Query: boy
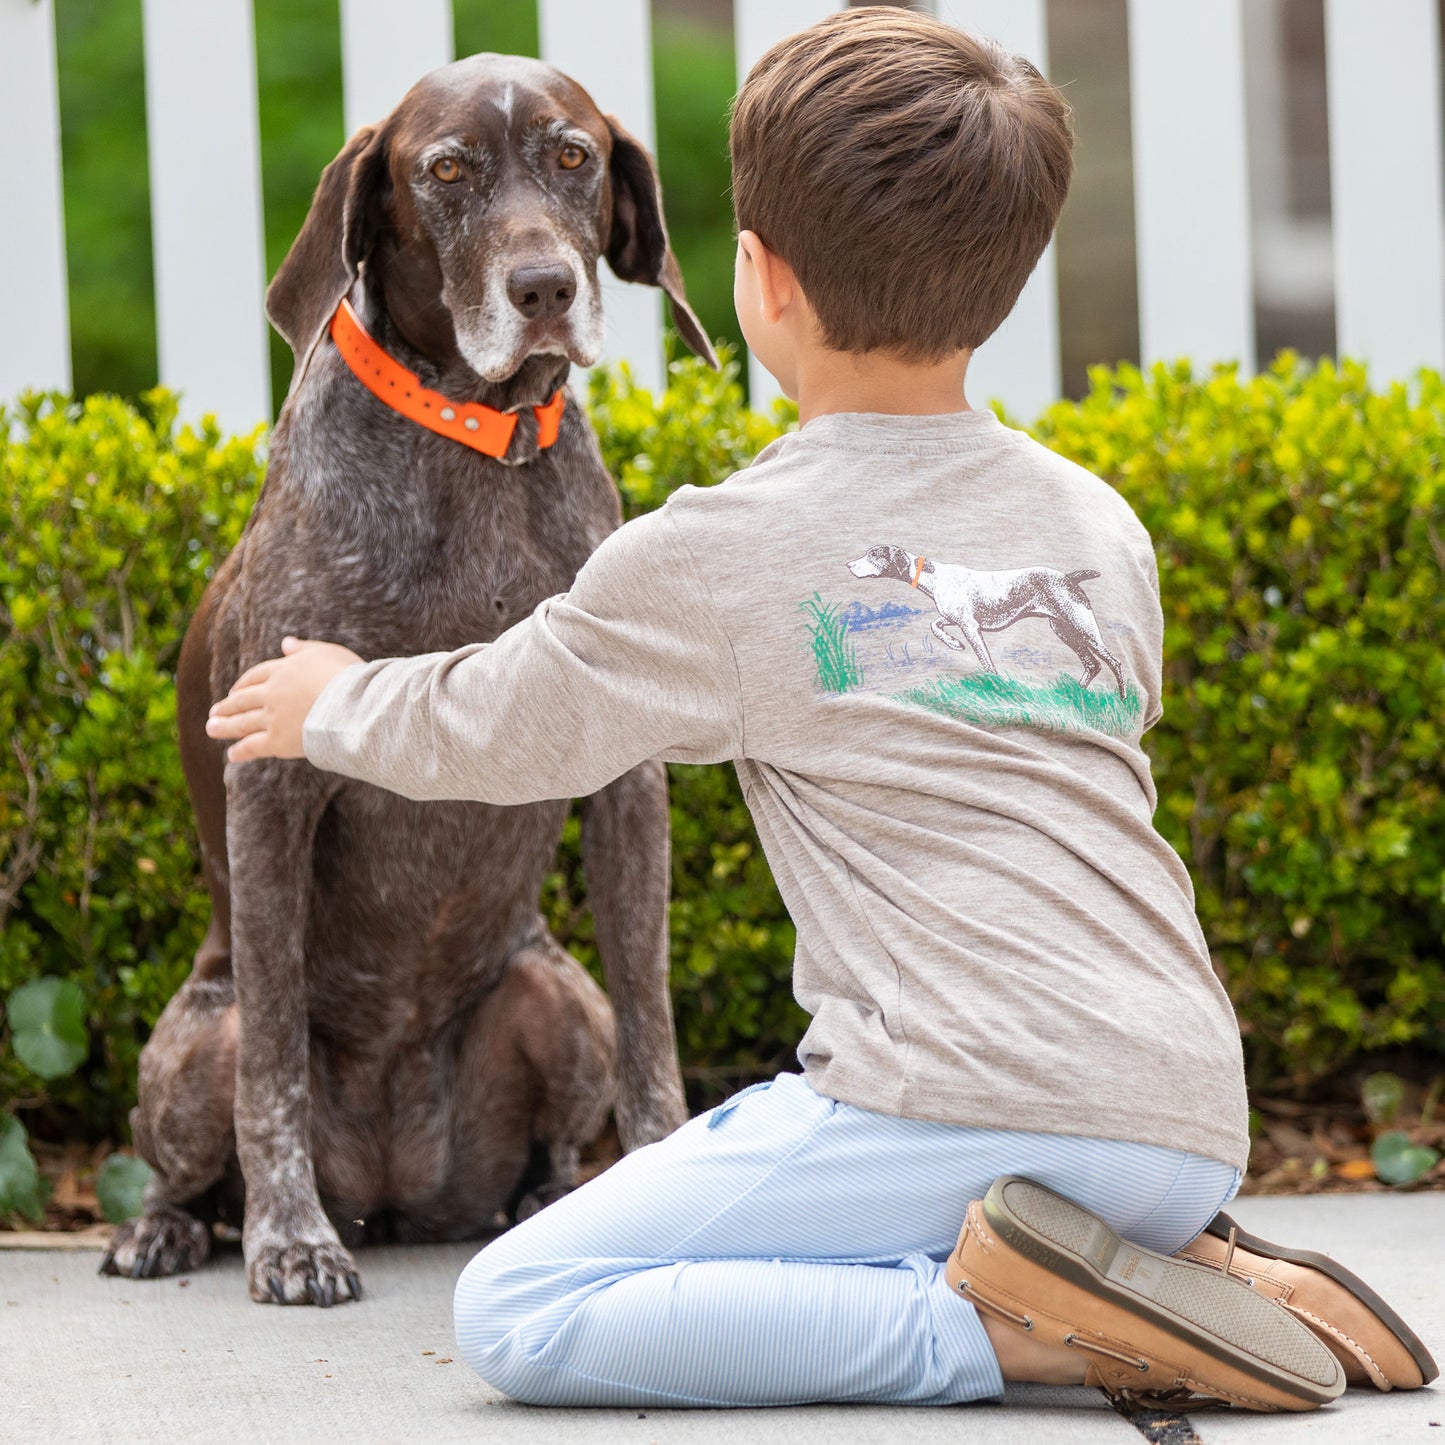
999 952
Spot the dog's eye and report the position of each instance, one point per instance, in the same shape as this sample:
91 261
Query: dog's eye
447 170
571 157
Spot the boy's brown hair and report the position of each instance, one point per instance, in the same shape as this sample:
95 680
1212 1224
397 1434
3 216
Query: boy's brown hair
909 173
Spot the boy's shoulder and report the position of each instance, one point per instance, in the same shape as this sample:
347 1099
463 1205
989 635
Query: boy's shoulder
772 468
803 466
1086 487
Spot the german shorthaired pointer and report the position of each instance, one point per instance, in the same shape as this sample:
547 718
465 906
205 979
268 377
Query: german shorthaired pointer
979 602
379 1037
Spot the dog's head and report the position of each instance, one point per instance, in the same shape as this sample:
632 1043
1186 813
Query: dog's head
880 562
480 207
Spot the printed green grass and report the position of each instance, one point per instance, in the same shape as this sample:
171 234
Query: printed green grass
1063 706
836 657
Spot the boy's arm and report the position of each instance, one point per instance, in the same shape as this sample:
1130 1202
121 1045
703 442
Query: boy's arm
631 663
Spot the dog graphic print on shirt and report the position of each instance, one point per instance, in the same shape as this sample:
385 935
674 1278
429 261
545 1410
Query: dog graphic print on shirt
858 647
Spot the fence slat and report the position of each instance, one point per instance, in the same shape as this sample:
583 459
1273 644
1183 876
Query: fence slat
607 49
1383 76
34 304
205 173
1191 191
758 25
386 47
1019 364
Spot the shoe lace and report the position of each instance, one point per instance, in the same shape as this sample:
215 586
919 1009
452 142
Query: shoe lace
1178 1400
1077 1342
1228 1259
1023 1322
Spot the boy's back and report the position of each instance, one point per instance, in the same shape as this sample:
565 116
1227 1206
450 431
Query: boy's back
990 930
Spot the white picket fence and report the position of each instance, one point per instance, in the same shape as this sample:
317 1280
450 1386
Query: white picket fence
1187 92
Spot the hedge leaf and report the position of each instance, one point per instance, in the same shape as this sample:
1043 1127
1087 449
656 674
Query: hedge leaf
120 1186
1398 1160
47 1026
21 1191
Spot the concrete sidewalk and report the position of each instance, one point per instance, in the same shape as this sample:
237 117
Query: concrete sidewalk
88 1359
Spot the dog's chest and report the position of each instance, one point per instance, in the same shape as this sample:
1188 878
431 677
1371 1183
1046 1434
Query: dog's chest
472 564
449 556
418 901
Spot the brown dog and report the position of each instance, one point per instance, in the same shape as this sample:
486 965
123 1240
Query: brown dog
379 1033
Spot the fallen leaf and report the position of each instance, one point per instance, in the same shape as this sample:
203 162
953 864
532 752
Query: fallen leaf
1289 1140
66 1191
1356 1169
1281 1106
1282 1175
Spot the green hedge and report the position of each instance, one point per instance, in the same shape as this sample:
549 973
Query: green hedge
1297 522
113 519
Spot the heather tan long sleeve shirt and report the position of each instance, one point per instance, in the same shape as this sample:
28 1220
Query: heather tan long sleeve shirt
931 647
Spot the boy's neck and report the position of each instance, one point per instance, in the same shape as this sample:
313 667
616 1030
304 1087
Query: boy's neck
875 381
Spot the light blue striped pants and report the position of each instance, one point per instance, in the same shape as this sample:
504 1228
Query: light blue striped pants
785 1249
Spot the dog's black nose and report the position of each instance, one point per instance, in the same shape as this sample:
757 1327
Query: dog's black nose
542 290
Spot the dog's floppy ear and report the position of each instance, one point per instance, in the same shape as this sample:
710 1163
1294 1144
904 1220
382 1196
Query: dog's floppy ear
334 240
637 249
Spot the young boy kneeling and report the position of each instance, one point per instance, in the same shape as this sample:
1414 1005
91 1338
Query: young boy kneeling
999 952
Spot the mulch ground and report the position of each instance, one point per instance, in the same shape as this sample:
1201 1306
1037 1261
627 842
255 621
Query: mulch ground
1325 1149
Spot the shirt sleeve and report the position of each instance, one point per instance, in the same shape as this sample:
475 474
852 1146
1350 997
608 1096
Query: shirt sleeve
630 664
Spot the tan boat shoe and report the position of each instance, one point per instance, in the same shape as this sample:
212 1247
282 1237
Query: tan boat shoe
1156 1329
1375 1346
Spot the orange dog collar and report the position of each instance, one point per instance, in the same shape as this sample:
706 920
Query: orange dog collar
917 571
483 428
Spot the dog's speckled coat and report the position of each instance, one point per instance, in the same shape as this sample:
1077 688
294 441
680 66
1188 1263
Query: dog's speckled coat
378 1032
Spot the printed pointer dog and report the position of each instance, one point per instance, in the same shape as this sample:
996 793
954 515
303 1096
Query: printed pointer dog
979 602
378 1029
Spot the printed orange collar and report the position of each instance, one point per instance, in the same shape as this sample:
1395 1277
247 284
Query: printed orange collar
483 428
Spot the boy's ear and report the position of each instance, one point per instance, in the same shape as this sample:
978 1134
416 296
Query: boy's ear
637 248
774 275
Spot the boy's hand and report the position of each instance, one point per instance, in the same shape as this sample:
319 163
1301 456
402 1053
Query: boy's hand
268 703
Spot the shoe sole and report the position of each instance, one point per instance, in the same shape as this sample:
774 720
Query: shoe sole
1220 1226
1208 1312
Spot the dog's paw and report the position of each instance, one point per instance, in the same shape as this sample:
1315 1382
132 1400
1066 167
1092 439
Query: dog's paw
302 1272
162 1241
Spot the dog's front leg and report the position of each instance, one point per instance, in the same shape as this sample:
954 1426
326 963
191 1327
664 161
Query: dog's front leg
625 855
293 1254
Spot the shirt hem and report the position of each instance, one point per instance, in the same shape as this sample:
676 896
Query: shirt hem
947 1106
